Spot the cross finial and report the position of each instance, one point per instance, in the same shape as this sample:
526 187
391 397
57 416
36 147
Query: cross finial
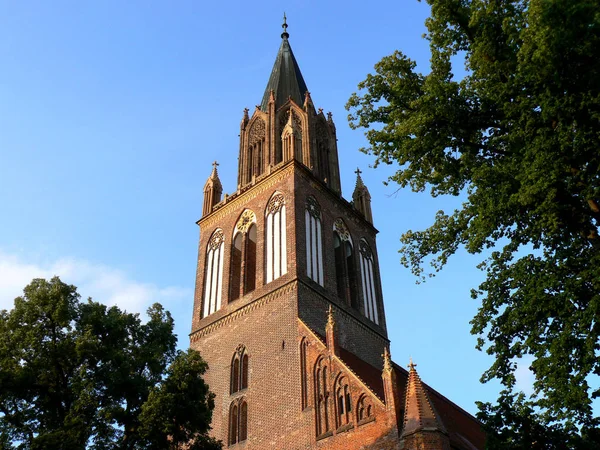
411 364
358 171
285 34
215 164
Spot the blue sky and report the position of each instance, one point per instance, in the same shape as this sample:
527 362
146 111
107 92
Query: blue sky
112 112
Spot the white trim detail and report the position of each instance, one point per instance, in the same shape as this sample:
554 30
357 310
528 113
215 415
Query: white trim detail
213 281
314 242
368 282
276 248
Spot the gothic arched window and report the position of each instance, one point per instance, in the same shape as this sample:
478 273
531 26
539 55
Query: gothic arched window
238 421
364 409
322 395
367 271
343 401
276 247
314 243
213 279
233 423
255 157
239 370
345 273
243 256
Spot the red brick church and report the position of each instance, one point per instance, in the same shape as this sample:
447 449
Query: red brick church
288 309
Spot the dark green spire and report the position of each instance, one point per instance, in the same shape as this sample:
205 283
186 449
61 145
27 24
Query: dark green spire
285 80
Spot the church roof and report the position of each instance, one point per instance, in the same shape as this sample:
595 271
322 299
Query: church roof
286 79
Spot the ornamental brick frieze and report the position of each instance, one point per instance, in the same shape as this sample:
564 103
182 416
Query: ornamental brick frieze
234 204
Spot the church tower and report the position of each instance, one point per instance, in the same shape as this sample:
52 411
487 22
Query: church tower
288 308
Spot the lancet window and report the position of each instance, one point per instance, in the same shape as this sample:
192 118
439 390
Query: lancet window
213 278
364 409
367 271
238 421
239 370
344 263
276 242
314 243
291 136
243 256
343 401
255 153
322 396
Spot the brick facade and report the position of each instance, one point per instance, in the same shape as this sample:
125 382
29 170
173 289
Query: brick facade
314 336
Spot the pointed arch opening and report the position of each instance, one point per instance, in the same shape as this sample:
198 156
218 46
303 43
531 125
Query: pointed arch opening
322 396
369 290
243 256
345 272
314 241
343 402
239 370
276 237
213 273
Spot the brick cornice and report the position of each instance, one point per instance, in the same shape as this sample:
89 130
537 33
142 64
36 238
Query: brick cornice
259 302
236 202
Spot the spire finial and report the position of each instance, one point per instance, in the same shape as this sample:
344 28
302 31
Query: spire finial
387 360
411 364
285 34
358 171
330 319
215 164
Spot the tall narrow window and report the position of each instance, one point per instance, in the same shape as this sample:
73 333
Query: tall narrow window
321 397
343 402
233 424
364 409
276 238
303 374
235 374
213 279
239 370
314 243
238 421
345 273
243 256
250 260
368 282
243 421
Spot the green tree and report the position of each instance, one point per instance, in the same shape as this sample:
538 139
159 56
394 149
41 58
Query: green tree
518 138
78 375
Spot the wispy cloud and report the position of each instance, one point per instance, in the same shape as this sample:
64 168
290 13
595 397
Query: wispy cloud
103 283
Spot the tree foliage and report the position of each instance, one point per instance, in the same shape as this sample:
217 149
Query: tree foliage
518 137
78 375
